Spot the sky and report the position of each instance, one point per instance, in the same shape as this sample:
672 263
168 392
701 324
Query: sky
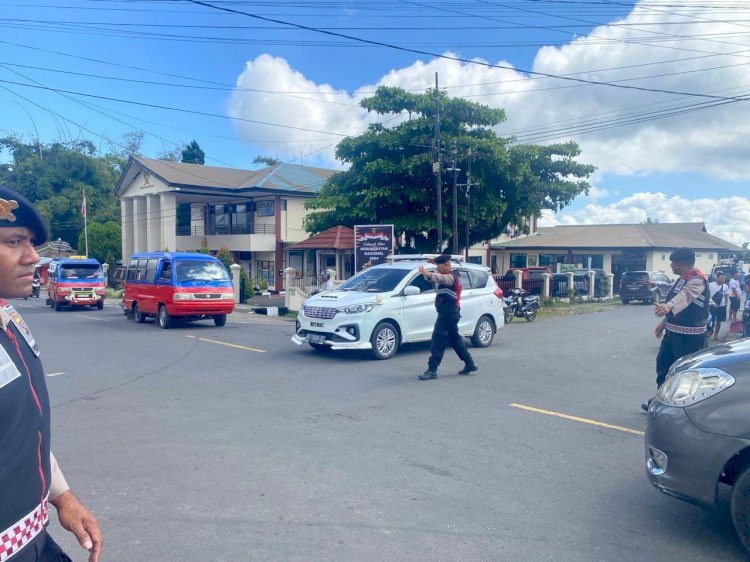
656 92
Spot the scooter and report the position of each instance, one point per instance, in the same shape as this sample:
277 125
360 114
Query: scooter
520 304
35 287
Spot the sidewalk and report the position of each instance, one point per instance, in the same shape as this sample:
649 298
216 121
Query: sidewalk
259 302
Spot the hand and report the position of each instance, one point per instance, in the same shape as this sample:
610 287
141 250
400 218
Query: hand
661 309
74 517
659 331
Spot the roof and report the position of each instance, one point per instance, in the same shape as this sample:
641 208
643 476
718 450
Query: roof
339 238
642 236
280 178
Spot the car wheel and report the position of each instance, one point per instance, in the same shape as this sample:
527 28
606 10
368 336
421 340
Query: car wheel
508 315
138 316
164 319
220 320
484 332
57 306
100 305
740 507
384 341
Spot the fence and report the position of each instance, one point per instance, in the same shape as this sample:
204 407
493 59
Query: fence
558 285
200 230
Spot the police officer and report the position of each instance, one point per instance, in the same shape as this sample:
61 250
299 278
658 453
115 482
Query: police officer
448 305
685 315
30 478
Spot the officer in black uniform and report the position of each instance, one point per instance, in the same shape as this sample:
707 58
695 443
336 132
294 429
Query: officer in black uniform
448 305
685 315
29 476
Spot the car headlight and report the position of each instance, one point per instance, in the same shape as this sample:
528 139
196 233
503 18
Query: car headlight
182 296
227 296
357 308
693 385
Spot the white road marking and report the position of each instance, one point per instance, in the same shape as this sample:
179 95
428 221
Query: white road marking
55 374
227 344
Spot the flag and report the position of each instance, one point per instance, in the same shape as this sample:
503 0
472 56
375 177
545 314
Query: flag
83 205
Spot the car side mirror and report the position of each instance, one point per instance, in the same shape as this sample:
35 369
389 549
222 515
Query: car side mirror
411 290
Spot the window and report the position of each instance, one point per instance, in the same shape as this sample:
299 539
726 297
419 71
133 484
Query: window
475 259
132 269
465 281
151 269
264 271
518 260
597 260
166 271
551 260
140 273
264 208
422 284
478 278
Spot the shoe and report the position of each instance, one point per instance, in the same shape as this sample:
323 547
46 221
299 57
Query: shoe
645 405
468 369
428 374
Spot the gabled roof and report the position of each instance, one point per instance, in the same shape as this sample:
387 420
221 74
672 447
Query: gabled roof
642 236
337 238
281 178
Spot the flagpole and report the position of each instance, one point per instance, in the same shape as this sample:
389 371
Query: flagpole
85 223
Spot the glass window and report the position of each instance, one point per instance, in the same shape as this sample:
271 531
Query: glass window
264 208
264 271
375 280
151 269
166 271
422 284
464 277
132 267
81 271
141 271
551 260
200 270
478 278
597 260
518 260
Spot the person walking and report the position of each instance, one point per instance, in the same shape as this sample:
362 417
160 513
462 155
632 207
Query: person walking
30 478
448 304
718 303
685 313
735 292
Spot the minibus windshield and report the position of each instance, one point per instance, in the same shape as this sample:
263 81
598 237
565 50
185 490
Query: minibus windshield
199 270
81 271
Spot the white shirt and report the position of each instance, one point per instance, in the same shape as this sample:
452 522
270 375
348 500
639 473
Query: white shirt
714 287
735 284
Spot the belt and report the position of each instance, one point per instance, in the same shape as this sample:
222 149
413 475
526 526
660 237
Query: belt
18 535
690 330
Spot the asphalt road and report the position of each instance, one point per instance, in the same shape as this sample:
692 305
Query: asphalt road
232 443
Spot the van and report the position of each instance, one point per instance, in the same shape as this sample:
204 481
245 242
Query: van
75 281
170 286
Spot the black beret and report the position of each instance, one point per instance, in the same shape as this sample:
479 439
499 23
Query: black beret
16 210
442 258
683 255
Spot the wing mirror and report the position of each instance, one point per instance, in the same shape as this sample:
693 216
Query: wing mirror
411 290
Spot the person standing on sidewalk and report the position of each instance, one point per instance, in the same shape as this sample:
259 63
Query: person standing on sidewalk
30 478
735 292
718 303
685 313
448 304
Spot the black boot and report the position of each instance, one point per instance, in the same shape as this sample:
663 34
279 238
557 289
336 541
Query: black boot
430 373
468 369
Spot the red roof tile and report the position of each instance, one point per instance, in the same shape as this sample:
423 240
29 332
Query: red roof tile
337 238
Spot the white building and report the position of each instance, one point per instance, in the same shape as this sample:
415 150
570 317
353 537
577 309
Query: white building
256 214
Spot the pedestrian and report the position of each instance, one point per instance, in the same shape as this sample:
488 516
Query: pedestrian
326 282
735 292
685 314
448 305
718 303
746 312
30 477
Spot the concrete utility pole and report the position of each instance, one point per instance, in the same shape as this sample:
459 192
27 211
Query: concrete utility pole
454 232
436 169
468 205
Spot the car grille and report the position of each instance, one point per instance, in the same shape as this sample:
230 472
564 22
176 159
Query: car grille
213 296
320 312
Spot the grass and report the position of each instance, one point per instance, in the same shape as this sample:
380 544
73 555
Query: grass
552 308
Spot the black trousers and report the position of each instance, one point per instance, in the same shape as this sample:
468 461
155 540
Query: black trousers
674 346
445 333
42 549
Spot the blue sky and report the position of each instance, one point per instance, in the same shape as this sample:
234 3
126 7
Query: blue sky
660 108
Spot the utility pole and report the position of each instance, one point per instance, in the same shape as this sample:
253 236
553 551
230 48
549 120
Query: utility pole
454 232
436 169
468 206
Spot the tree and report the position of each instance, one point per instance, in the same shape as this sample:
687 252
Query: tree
225 257
390 178
105 241
192 154
266 161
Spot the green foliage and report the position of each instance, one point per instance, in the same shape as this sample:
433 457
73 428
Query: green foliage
225 257
192 154
105 242
604 287
53 177
262 284
390 177
245 286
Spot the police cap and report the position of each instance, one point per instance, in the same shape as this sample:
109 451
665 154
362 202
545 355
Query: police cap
442 258
16 210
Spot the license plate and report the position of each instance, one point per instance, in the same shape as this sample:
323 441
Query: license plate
317 338
317 324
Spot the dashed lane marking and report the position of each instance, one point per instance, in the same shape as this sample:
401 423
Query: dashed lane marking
92 317
55 374
228 344
577 418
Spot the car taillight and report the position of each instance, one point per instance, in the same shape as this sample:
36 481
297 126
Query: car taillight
499 293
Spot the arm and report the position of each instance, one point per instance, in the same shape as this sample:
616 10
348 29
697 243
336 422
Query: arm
691 291
73 515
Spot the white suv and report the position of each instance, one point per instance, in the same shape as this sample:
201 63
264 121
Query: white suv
389 304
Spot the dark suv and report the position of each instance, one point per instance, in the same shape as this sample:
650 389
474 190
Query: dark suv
644 286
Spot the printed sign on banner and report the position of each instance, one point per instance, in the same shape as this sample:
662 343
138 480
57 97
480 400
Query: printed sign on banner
373 243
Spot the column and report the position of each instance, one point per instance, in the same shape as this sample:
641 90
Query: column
126 219
153 224
139 224
168 222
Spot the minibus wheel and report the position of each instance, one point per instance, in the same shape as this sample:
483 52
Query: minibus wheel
163 318
220 320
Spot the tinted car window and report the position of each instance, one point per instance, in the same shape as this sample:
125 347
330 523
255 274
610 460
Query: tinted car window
478 278
465 281
199 270
422 284
635 276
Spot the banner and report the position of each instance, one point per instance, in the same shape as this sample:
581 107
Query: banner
373 243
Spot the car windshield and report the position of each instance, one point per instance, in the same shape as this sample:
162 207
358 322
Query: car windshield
81 271
375 280
200 270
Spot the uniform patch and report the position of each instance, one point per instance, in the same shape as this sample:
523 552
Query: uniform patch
8 370
23 329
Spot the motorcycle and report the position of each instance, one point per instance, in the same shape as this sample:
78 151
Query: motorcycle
520 304
36 285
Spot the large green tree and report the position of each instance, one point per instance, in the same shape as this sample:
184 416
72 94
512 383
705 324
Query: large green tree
54 177
192 154
390 177
105 241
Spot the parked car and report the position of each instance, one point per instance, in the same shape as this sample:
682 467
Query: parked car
727 269
392 303
531 279
698 432
644 286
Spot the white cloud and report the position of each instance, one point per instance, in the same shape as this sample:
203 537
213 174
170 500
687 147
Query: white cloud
725 217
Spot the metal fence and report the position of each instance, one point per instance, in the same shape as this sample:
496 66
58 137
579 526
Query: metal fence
223 230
